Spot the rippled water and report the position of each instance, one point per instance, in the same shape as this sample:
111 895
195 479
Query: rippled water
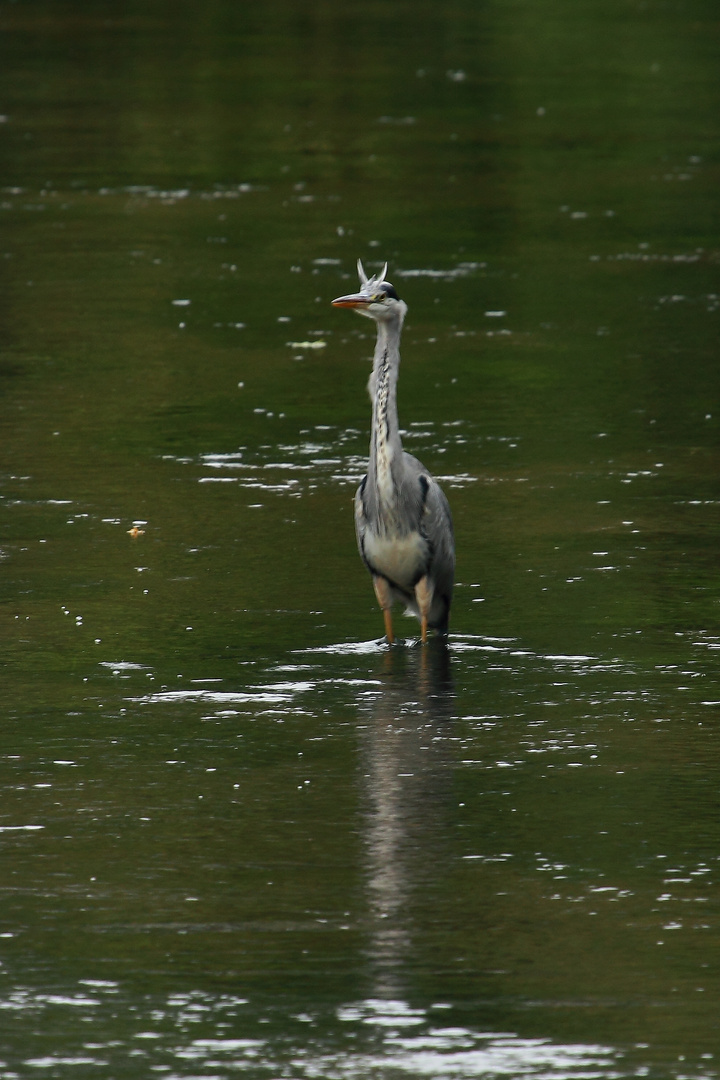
239 835
385 1035
476 861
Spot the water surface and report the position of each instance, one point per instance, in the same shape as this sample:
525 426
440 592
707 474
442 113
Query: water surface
238 834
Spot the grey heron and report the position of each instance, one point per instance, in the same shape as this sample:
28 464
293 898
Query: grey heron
402 519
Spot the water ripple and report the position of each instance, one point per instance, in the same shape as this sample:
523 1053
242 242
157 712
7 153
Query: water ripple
375 1037
328 455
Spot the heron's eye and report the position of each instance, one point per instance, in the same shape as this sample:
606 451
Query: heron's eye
379 296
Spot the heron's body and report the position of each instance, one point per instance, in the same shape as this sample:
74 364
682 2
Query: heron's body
402 518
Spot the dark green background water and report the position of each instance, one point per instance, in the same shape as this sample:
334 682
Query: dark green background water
238 836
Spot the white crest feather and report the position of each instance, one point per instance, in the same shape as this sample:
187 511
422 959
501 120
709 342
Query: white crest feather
375 279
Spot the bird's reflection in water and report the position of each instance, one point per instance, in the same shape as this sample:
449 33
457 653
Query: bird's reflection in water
406 786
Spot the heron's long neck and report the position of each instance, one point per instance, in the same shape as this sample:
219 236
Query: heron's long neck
385 444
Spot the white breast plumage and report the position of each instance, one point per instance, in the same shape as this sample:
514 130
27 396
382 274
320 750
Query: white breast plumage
401 559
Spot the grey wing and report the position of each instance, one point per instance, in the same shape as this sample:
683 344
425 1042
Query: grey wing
435 523
360 513
439 529
361 518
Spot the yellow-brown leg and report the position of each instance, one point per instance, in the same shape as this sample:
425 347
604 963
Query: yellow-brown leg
387 616
424 595
384 599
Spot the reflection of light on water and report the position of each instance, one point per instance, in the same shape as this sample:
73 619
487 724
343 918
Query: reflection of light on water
325 455
219 697
349 648
579 663
458 1051
460 270
221 1032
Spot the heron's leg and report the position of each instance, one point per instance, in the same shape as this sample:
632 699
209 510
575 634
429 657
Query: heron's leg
387 616
385 599
424 595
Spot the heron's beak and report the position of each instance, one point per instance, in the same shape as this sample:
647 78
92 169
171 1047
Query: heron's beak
353 300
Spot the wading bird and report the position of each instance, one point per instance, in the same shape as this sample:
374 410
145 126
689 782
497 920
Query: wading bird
402 518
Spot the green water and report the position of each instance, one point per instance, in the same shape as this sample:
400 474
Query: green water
238 835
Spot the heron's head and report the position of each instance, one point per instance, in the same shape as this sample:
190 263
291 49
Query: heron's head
377 298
